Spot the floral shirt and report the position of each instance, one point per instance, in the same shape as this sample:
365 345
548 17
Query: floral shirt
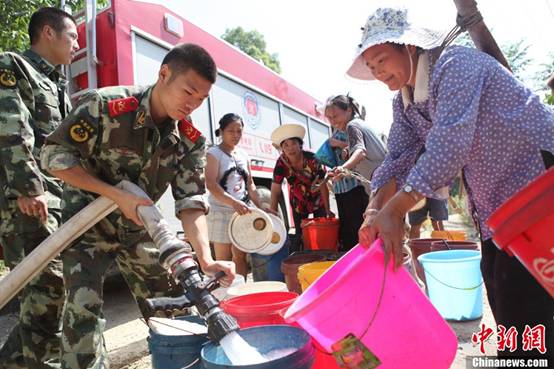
302 199
471 114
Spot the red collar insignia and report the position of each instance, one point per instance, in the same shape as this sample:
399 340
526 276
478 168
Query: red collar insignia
186 128
124 105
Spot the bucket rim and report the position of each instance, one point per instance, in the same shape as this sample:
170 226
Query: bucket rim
465 256
295 315
290 293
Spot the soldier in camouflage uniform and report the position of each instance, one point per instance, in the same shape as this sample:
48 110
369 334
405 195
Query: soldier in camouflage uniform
32 104
143 135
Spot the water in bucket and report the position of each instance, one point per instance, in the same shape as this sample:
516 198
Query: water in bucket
281 346
454 283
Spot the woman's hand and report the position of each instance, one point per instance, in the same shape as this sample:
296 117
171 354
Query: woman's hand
388 225
240 207
128 204
337 173
337 143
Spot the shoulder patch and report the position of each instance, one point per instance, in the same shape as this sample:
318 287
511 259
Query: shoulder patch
81 132
120 106
186 128
7 78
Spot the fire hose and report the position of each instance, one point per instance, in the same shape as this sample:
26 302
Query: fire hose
175 256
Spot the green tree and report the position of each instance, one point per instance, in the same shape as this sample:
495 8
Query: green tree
253 44
517 55
14 18
544 72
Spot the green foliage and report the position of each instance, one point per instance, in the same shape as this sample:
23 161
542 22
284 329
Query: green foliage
549 99
543 74
15 15
253 44
517 55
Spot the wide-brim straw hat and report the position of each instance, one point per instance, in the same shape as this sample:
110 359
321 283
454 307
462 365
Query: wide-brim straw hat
287 131
391 25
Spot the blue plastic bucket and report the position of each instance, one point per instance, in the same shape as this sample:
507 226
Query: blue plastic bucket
176 352
267 338
268 267
454 283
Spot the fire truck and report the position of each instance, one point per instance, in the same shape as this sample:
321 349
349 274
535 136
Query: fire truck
124 44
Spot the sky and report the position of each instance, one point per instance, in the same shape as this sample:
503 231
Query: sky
316 39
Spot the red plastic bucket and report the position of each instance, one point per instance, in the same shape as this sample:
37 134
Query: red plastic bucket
265 308
523 226
320 233
268 308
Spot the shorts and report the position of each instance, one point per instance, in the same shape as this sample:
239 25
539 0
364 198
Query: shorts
436 209
218 225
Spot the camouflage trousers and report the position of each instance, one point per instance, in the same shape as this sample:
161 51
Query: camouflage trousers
35 341
85 265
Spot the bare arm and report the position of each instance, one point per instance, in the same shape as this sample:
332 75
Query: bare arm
276 192
251 188
325 198
355 158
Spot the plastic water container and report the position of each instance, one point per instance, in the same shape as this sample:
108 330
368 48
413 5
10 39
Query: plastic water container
221 292
320 233
386 311
449 235
268 267
267 339
445 245
260 308
290 267
308 273
256 287
176 352
523 226
454 283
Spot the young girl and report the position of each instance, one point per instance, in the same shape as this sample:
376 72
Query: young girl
471 115
231 189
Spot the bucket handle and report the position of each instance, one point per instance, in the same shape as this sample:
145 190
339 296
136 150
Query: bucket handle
455 288
446 244
191 364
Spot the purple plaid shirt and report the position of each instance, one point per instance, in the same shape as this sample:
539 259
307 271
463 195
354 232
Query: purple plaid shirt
476 117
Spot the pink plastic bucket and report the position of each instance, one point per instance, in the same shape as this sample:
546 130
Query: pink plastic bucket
406 330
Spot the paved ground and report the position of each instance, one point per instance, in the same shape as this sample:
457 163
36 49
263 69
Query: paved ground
126 333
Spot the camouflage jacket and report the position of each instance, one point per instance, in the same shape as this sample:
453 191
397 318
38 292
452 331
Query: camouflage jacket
112 135
32 104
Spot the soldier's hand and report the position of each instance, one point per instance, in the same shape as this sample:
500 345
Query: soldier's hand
128 204
36 206
228 267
